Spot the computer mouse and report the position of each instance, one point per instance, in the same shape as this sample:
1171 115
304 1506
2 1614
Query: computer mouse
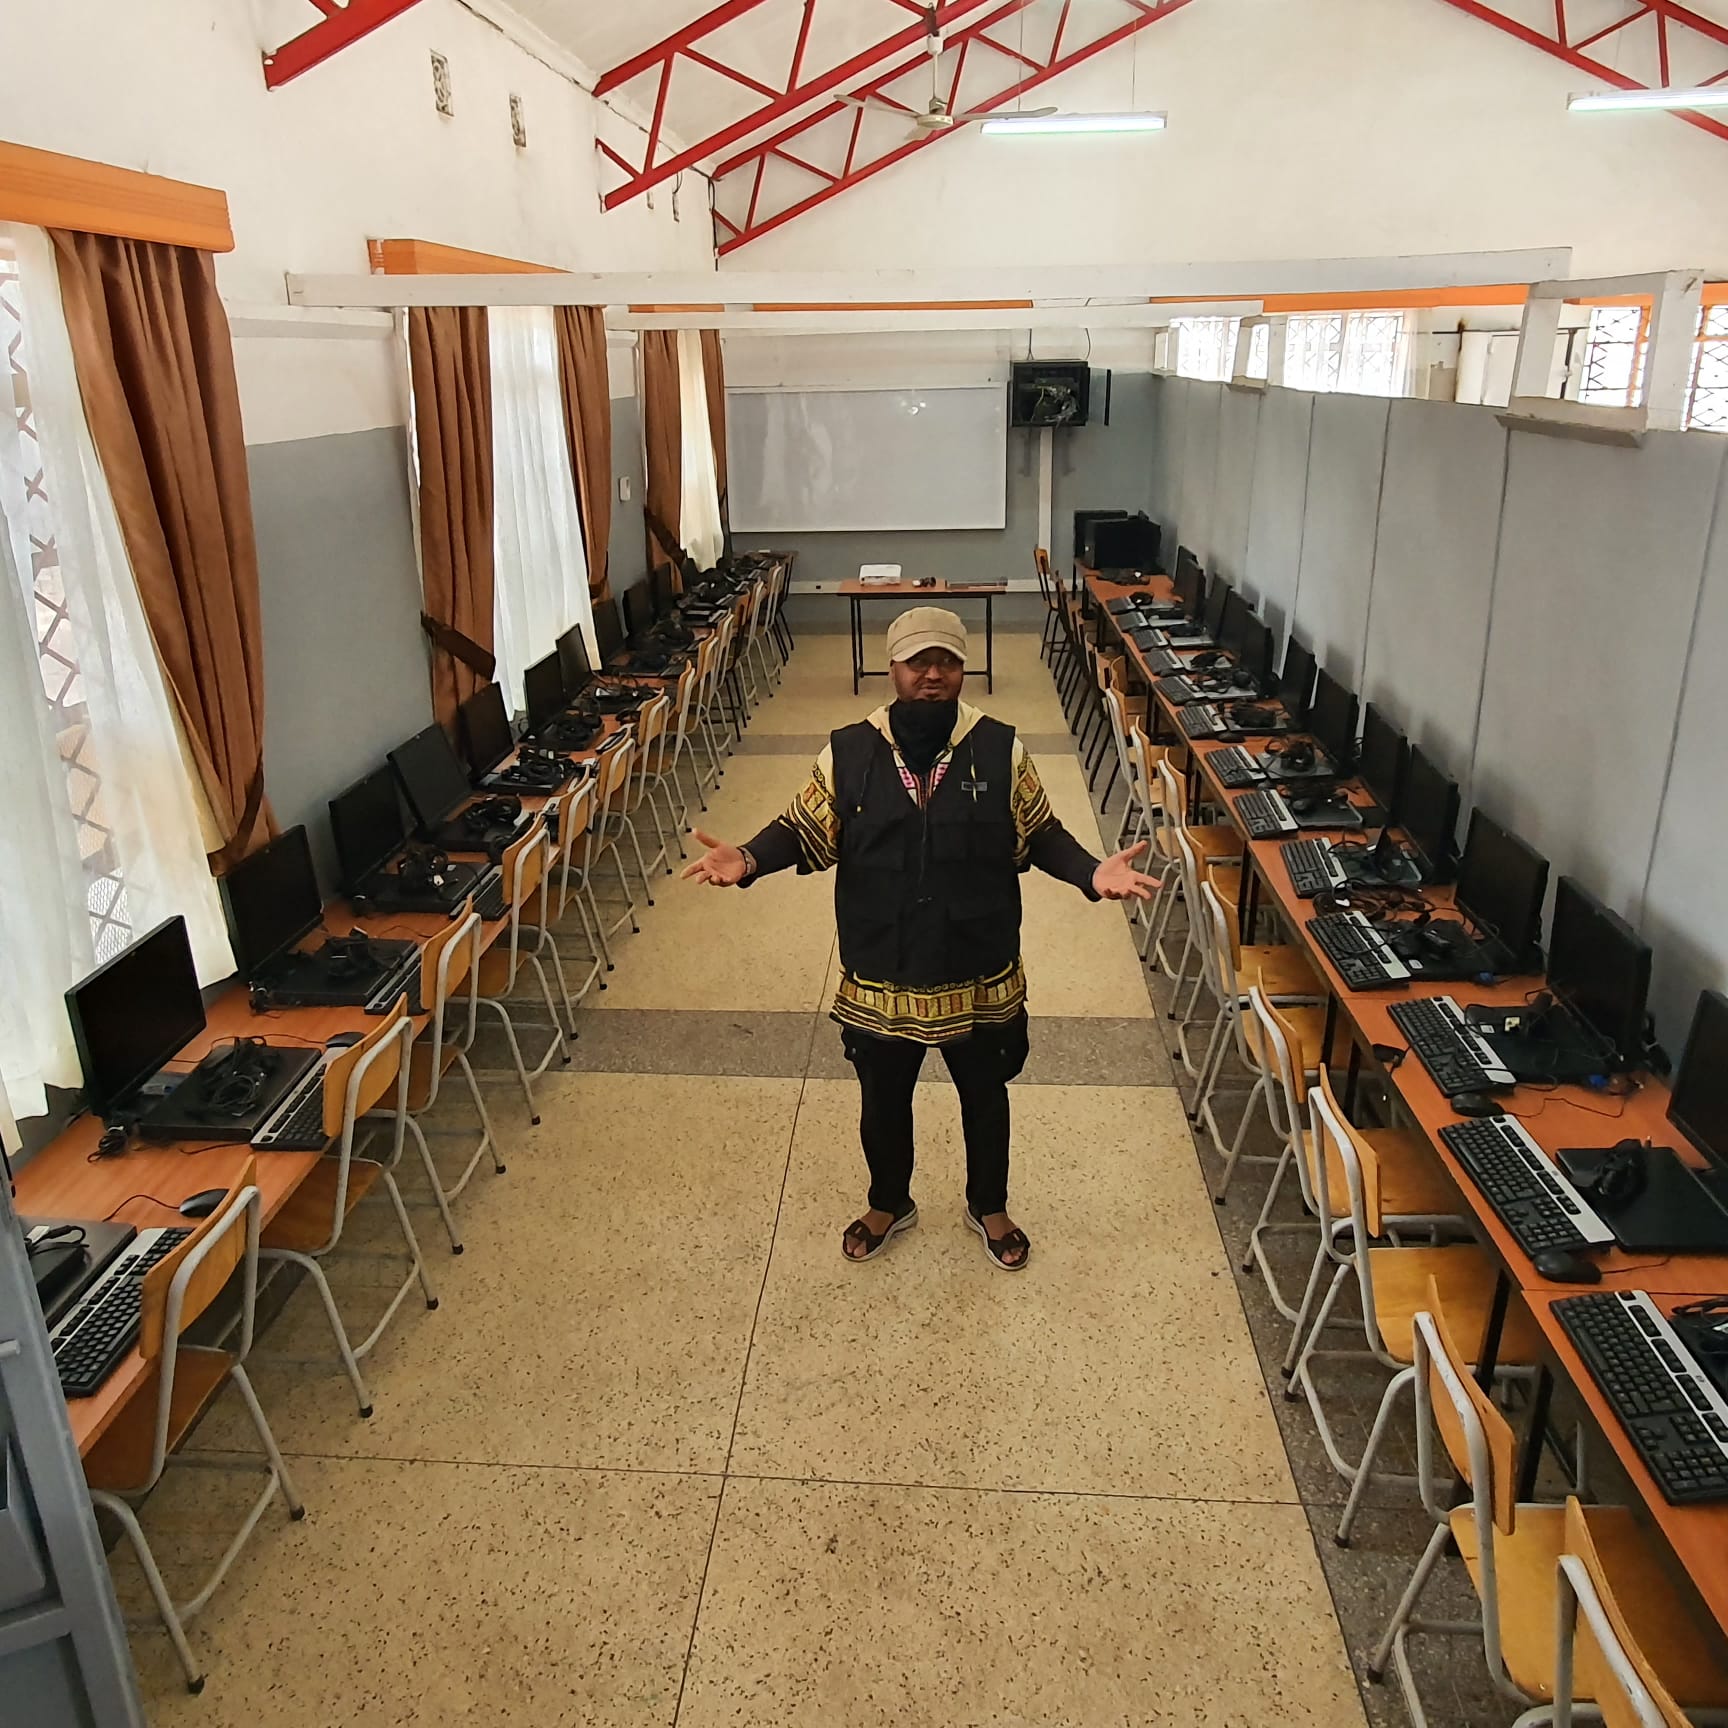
202 1205
1305 806
1561 1267
1477 1104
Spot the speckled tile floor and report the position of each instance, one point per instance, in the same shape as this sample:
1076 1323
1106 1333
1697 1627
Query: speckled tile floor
663 1457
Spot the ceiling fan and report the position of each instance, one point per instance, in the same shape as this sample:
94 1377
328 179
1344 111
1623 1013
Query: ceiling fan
936 116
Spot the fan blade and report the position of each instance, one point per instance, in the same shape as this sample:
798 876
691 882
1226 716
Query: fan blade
1001 114
870 102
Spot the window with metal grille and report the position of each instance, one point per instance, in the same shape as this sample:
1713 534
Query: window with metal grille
1707 404
1364 353
1613 364
1205 347
57 643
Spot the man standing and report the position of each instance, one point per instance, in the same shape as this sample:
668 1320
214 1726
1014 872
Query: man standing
931 810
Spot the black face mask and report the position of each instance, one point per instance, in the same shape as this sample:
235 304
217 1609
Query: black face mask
922 730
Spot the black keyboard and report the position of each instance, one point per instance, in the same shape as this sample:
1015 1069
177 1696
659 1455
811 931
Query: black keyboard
489 898
1358 950
1264 815
1203 720
1457 1057
297 1123
1313 869
97 1330
1524 1185
1672 1413
1235 768
1179 691
403 980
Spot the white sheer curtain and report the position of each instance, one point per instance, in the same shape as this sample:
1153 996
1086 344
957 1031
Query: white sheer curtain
699 487
101 837
541 583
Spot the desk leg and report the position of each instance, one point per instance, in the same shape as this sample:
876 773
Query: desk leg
990 643
1488 1351
1535 1435
1251 911
1352 1076
857 643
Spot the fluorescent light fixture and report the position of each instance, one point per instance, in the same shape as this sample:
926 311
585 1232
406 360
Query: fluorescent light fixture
1004 124
1605 101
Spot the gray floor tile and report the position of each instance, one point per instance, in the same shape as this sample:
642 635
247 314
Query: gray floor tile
693 1041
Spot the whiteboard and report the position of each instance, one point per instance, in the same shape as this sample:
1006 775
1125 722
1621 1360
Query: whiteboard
816 461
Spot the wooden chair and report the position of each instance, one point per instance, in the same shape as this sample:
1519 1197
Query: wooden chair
308 1229
612 771
568 815
129 1460
1052 606
1215 843
449 964
1513 1554
653 726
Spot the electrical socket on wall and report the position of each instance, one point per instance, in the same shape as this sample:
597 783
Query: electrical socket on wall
623 488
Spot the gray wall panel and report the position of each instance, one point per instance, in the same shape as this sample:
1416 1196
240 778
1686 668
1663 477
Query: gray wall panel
1200 467
345 669
627 545
1345 458
1601 552
1233 485
1280 499
1685 915
1434 573
1099 467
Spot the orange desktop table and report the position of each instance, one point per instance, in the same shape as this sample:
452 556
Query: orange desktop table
855 593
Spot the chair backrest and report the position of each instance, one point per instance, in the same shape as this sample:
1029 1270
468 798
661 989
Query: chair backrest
1476 1435
1277 1047
1046 585
1621 1681
612 770
1170 792
1221 927
357 1076
447 961
524 865
180 1287
1119 735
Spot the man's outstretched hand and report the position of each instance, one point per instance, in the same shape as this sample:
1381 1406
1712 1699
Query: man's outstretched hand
1116 878
721 866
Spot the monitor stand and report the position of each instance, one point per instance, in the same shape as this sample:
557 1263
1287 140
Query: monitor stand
1679 1210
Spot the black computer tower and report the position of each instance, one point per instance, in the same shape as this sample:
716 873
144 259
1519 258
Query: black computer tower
1083 521
1125 543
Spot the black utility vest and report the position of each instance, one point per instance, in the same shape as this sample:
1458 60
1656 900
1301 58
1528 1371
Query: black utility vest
926 897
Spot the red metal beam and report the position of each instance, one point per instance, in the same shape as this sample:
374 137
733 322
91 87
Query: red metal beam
664 55
856 167
339 28
1674 25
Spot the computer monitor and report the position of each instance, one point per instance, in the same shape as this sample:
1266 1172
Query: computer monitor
1217 598
367 825
433 778
573 662
1698 1106
1501 885
1190 586
664 592
1254 650
1428 811
1332 718
1296 681
1083 521
543 690
638 611
1185 560
484 727
132 1015
1236 612
271 900
1600 969
1380 758
1124 543
608 632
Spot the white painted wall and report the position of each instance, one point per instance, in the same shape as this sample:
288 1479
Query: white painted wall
1298 129
352 149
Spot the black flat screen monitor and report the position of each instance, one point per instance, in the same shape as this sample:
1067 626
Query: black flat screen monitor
1217 599
1124 543
664 592
271 900
543 690
433 778
1186 561
608 632
1698 1106
485 729
132 1015
1501 885
367 826
1380 758
1191 588
1296 681
1254 650
1332 718
573 663
1237 612
1601 970
1428 811
638 611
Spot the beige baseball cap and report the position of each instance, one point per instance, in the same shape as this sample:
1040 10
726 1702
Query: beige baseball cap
926 627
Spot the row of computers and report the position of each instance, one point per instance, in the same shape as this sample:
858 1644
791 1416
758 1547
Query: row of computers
1587 1024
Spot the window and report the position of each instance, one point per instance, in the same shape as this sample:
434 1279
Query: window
1612 372
1259 350
106 831
1205 347
1707 405
1364 353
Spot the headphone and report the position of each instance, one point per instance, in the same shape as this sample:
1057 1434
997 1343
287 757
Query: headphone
1620 1177
237 1082
423 868
1298 756
1211 661
490 813
348 956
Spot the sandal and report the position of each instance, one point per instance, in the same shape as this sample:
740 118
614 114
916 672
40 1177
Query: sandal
859 1231
997 1246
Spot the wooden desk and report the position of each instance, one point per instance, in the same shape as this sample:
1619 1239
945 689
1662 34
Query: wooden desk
855 593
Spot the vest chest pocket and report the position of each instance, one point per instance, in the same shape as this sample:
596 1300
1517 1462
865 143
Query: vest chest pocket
972 839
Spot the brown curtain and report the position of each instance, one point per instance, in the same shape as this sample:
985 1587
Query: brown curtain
661 432
451 364
588 425
155 367
714 376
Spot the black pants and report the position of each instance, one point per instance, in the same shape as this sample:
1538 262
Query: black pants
980 1067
